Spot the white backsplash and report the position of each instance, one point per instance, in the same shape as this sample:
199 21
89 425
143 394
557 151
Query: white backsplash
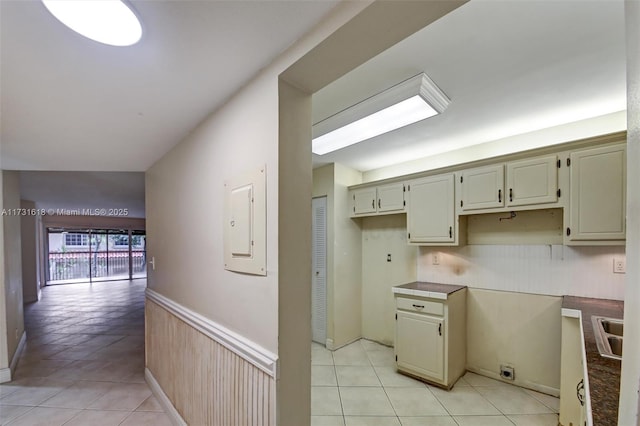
540 269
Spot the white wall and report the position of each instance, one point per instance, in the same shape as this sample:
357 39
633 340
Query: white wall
12 263
30 272
629 387
538 269
381 236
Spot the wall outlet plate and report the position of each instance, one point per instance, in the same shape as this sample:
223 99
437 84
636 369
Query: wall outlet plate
436 258
507 372
619 266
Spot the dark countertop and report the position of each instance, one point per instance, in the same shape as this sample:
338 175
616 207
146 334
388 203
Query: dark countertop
604 373
420 286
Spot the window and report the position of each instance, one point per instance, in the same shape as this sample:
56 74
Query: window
120 240
76 240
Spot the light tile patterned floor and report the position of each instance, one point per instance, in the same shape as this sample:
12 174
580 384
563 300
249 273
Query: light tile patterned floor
358 386
83 364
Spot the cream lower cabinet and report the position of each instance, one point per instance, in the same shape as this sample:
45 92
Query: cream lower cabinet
430 338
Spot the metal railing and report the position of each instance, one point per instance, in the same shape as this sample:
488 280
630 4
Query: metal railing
84 264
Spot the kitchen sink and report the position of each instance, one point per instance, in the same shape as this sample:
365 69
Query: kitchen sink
609 335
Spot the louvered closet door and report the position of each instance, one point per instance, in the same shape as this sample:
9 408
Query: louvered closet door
319 273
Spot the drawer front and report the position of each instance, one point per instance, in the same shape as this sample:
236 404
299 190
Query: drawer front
422 306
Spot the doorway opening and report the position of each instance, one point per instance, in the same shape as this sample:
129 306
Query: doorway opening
88 255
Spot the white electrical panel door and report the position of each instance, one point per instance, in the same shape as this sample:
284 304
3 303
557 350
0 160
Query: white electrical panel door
420 344
483 188
431 213
241 214
532 181
598 194
245 223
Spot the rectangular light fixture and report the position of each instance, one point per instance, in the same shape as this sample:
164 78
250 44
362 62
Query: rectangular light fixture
406 103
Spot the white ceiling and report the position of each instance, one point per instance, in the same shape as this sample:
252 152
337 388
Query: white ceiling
509 67
95 191
69 103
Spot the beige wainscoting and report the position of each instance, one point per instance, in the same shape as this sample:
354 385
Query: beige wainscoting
209 375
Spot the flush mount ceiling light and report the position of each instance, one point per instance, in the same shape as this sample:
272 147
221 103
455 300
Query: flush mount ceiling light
106 21
406 103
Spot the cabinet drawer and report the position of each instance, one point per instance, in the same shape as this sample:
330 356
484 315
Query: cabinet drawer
422 306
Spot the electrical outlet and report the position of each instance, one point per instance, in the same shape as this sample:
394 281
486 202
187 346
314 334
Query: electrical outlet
507 372
619 266
436 259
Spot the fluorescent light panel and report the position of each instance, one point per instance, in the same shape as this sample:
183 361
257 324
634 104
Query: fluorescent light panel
109 22
406 103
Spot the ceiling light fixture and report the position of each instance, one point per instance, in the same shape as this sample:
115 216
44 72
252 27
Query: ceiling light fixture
406 103
109 22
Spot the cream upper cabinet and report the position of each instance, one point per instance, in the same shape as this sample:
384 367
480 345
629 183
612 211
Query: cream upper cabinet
482 188
533 181
364 201
431 212
374 200
598 194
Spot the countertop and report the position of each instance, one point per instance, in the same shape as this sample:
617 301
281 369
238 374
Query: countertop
604 373
426 289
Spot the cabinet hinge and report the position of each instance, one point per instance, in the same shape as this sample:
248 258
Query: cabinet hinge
461 203
408 187
559 163
461 179
404 203
409 235
568 231
396 316
354 209
404 189
354 197
559 192
396 358
568 162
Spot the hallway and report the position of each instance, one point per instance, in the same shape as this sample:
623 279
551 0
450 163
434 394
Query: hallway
83 363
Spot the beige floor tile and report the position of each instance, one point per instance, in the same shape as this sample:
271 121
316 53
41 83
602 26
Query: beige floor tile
550 401
98 418
474 379
354 375
513 400
325 401
428 421
534 419
465 401
482 421
415 402
79 395
141 418
10 412
125 396
323 375
320 355
391 378
382 357
353 354
42 416
33 391
150 404
370 345
363 401
327 421
371 421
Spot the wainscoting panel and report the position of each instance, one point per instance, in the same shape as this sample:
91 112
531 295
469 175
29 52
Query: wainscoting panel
208 379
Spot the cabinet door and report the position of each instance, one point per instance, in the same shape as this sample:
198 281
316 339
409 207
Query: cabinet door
598 194
364 200
391 197
420 344
431 216
532 181
483 188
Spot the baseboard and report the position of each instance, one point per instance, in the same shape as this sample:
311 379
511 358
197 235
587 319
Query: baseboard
5 375
243 347
522 383
18 352
163 399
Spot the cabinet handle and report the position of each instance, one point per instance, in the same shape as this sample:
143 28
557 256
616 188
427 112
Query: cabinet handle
378 202
499 195
418 306
450 232
440 329
373 204
580 391
510 194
